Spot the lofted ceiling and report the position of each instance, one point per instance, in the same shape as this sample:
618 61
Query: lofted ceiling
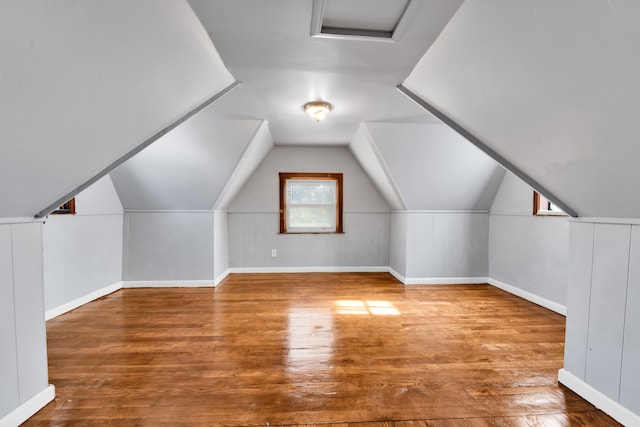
84 83
434 168
550 86
267 46
185 169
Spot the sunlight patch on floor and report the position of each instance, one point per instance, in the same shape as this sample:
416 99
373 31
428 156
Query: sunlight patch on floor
377 308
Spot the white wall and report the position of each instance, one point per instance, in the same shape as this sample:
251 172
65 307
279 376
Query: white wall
83 252
439 247
168 246
398 243
220 244
254 216
441 188
23 353
603 309
528 252
365 243
171 231
446 245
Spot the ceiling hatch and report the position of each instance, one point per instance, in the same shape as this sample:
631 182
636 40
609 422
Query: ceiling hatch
382 20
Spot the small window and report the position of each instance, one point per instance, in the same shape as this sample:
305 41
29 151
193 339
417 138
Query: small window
543 206
68 208
310 203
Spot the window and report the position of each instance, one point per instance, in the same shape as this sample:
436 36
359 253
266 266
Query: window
68 208
544 207
310 203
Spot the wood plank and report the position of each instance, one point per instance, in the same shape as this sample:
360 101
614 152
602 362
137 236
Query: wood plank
341 349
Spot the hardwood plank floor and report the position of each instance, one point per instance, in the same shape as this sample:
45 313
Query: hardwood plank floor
299 349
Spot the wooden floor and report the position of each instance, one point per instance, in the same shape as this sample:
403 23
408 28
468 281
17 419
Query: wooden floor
289 349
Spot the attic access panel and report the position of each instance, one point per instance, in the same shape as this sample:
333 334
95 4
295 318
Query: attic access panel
382 20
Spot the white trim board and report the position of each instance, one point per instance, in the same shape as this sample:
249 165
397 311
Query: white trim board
28 408
278 213
397 275
168 284
221 277
165 211
599 220
536 299
365 269
78 302
599 400
318 269
96 213
414 211
427 281
445 280
20 220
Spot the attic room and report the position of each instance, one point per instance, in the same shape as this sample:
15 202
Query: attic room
168 123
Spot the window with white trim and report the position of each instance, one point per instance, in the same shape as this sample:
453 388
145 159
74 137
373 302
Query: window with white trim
310 202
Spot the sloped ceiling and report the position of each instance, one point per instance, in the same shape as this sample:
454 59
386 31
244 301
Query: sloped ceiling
552 87
84 83
364 149
187 168
436 169
267 45
260 145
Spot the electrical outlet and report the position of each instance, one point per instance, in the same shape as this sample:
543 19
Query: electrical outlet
274 253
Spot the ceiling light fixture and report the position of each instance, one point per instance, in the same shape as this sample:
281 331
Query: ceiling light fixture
317 110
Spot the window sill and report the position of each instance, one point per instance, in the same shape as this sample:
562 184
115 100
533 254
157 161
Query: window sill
550 213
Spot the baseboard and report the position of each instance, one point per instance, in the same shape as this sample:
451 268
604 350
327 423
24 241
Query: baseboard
397 275
28 408
353 269
599 400
71 305
169 284
536 299
221 277
444 280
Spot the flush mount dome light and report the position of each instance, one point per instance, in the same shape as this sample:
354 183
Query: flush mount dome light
317 110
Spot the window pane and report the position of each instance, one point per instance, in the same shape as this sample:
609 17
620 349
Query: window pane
308 217
310 202
309 192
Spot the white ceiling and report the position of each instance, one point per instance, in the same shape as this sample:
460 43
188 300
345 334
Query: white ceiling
434 168
267 46
551 86
84 83
185 169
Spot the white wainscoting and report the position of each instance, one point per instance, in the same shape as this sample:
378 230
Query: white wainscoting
28 408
